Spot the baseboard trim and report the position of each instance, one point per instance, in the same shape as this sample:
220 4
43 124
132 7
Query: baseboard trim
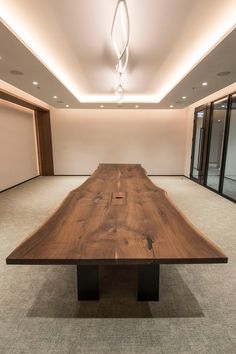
166 175
147 175
72 175
18 184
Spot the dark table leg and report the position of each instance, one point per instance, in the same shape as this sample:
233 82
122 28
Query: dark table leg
87 282
148 282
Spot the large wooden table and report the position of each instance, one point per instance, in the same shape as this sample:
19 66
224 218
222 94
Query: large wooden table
118 216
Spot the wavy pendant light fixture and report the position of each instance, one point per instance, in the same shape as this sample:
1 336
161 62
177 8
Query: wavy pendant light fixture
120 32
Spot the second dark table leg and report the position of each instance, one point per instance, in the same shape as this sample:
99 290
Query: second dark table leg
148 282
87 282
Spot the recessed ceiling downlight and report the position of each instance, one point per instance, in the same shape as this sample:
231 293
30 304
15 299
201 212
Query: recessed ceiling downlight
171 106
35 83
204 84
16 72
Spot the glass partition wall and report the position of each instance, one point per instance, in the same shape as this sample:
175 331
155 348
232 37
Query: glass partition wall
213 161
216 143
198 138
200 133
229 180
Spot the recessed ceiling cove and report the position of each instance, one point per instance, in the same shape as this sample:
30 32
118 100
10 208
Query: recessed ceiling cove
72 40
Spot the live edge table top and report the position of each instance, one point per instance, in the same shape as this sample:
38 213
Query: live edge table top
118 216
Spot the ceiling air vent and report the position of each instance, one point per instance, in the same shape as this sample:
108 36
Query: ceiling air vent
223 73
16 72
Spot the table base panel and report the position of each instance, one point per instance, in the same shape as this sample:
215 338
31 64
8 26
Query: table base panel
148 282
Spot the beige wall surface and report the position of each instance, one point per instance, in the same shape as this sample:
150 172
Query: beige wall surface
18 154
190 116
160 140
84 138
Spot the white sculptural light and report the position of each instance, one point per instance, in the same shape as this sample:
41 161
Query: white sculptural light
120 32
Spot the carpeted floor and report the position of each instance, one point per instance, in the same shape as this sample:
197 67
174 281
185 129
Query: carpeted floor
39 312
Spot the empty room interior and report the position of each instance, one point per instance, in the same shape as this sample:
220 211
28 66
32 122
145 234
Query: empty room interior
118 176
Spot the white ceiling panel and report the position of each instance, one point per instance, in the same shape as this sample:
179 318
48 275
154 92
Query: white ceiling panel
69 43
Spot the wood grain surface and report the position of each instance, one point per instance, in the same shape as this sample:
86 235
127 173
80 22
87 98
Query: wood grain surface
118 216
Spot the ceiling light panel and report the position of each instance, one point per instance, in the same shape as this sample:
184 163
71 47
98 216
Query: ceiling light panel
77 48
18 56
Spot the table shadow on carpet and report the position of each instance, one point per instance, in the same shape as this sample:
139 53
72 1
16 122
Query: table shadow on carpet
118 289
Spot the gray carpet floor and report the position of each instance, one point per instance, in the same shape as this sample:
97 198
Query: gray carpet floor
39 312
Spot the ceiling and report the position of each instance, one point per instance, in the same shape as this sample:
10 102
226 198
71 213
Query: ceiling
65 46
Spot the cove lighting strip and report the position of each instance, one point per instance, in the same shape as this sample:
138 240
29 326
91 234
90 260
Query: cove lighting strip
12 19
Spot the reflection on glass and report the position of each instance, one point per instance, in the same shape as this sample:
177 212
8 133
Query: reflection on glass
216 143
198 144
229 184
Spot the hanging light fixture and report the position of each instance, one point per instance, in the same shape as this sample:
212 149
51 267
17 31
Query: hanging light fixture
120 32
119 91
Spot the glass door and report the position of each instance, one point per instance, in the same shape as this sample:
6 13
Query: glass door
216 144
198 145
229 178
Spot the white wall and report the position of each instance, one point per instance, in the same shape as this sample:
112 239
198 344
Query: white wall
84 138
190 116
18 155
159 139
